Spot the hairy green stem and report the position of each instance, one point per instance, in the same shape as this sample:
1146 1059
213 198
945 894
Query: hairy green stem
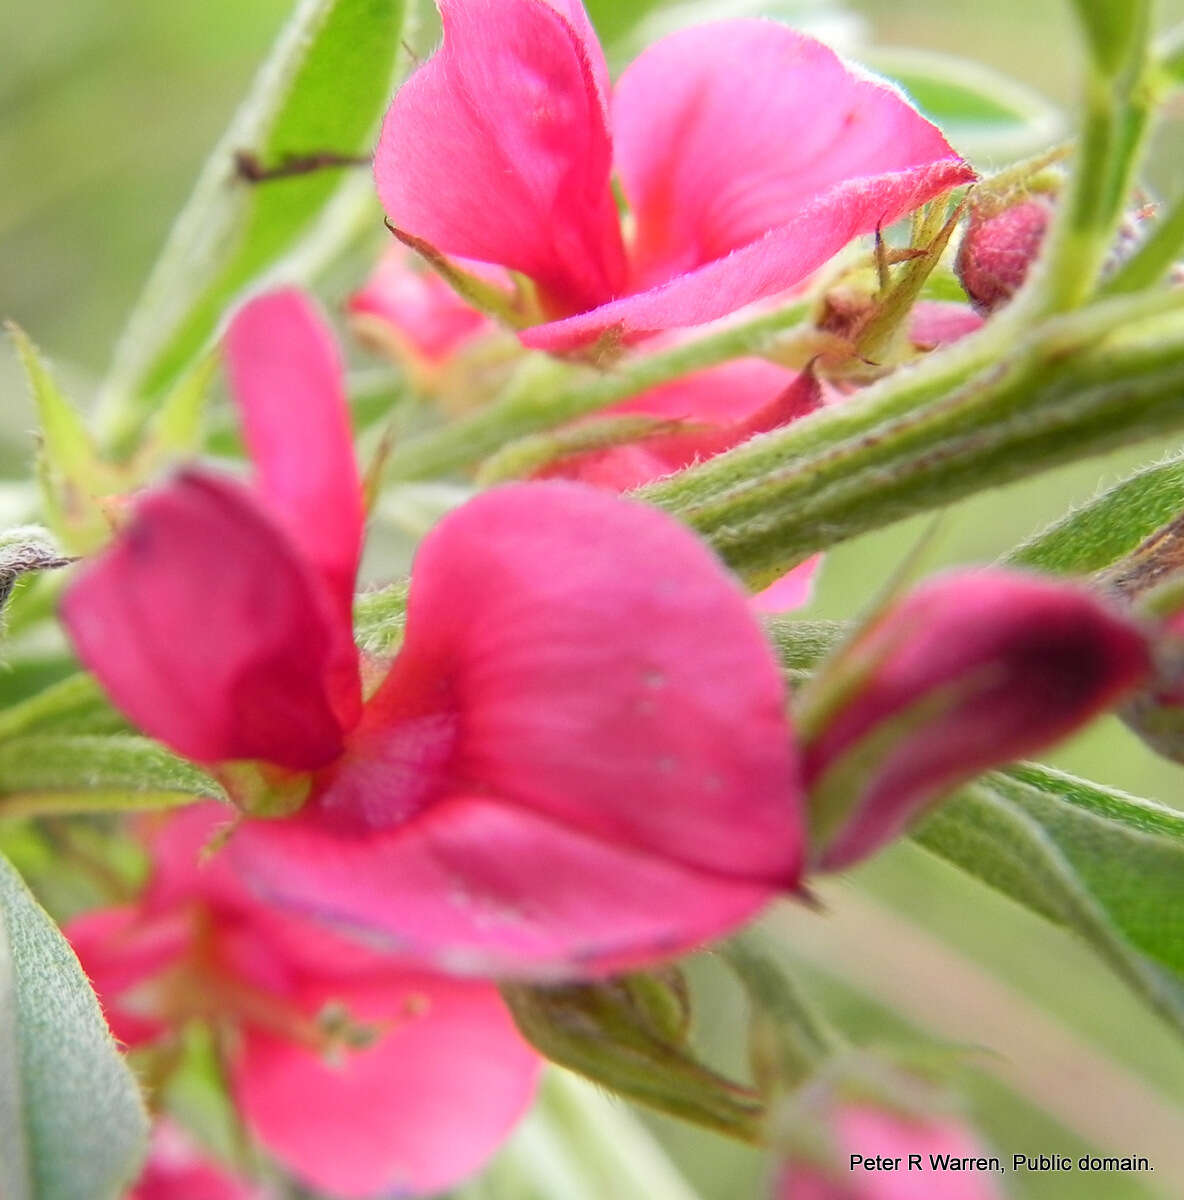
1081 384
549 393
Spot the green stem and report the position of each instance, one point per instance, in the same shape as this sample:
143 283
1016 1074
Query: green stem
549 393
1114 131
1081 384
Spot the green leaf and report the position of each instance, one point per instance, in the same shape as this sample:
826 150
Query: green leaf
1106 865
1112 524
72 1124
985 115
65 773
321 91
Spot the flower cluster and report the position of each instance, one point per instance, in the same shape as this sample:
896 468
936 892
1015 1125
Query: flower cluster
577 757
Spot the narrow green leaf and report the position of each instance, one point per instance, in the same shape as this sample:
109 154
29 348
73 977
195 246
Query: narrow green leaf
1112 524
1106 865
65 441
47 772
321 92
72 1123
985 115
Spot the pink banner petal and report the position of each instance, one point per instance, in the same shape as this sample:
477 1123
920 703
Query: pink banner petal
725 131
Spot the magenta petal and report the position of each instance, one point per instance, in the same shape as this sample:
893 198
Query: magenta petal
207 630
605 670
727 130
477 887
791 591
415 1113
498 149
774 262
287 377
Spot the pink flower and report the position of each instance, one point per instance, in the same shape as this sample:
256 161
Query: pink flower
864 1135
970 671
359 1073
425 318
748 154
178 1170
579 759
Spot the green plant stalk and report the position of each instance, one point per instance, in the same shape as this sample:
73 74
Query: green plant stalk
1114 131
1082 384
552 393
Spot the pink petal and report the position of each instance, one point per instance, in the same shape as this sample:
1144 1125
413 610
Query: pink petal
604 670
937 323
415 1113
732 401
207 630
476 886
791 591
178 1170
287 377
872 1133
732 391
725 131
498 149
421 309
122 949
772 263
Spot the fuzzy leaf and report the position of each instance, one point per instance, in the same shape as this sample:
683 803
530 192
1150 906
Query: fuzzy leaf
321 92
64 773
72 1124
1112 524
1106 865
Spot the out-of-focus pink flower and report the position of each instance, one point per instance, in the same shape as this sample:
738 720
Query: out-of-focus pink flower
417 310
969 671
997 250
361 1074
937 323
724 406
579 760
749 154
177 1170
865 1136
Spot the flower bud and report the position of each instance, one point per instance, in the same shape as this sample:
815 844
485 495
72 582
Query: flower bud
970 671
997 250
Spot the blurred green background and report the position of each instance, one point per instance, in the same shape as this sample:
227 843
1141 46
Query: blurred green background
107 108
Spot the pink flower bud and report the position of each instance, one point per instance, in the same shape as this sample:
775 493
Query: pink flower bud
970 671
889 1156
998 249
